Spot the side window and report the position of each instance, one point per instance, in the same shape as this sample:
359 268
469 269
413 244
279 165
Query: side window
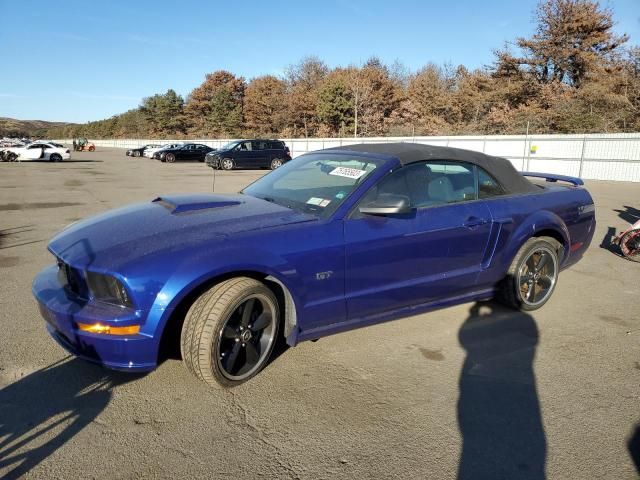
395 183
487 186
428 184
450 182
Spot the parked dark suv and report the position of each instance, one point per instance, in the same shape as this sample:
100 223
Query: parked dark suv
249 154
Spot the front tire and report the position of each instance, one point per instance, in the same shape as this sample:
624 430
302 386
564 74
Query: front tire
227 164
230 331
136 154
532 276
170 158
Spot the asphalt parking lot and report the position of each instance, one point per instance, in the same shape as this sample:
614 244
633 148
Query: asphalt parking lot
474 391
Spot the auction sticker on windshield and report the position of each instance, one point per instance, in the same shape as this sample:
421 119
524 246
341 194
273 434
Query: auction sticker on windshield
347 172
320 202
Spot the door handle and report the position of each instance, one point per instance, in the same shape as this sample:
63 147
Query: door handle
474 222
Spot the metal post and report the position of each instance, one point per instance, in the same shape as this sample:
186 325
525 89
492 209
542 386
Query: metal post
524 152
584 143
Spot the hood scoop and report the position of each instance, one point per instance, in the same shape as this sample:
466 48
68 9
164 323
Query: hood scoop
177 204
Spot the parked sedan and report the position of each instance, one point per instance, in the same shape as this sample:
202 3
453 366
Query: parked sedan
53 152
332 241
190 151
150 152
250 154
138 152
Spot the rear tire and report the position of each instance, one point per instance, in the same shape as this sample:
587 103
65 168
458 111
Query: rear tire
54 157
230 331
275 163
532 276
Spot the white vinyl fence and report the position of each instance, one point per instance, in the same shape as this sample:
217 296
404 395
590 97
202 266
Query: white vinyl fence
593 156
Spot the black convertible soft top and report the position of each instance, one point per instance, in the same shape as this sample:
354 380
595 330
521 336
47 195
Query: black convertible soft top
500 168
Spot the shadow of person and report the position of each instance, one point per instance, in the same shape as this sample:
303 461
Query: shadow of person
634 447
629 214
607 241
498 408
42 411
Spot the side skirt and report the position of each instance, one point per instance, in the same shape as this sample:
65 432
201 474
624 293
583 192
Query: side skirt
334 328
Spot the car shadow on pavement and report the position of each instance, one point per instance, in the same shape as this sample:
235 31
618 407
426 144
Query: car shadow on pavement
634 447
42 411
498 408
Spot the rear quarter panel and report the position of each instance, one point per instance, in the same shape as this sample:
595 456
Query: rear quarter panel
567 211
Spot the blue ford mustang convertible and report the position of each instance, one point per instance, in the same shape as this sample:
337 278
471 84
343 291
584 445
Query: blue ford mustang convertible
333 240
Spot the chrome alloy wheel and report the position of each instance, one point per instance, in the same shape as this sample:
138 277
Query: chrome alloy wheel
227 164
537 276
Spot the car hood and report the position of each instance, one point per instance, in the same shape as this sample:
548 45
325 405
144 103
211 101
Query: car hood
169 226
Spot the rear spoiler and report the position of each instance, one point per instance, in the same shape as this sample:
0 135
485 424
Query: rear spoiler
551 177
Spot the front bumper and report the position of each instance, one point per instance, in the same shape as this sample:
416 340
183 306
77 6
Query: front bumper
63 311
212 161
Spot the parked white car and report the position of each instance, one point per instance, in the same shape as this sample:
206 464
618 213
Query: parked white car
150 151
54 152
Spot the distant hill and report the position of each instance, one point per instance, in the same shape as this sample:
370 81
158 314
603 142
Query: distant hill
11 127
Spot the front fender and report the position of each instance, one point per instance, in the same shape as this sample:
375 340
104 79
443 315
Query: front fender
189 277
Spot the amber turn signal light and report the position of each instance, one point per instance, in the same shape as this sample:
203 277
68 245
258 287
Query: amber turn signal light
108 330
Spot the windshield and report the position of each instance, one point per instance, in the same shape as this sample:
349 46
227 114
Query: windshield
314 183
229 146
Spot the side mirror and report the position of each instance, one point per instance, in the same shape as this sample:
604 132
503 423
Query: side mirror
387 204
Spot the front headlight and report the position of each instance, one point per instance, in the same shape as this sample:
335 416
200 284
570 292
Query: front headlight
108 289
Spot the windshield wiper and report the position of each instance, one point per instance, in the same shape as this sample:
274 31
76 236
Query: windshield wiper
273 200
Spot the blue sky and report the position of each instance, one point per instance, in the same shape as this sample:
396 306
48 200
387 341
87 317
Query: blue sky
83 60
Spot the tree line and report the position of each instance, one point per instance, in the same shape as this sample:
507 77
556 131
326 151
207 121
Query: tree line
573 75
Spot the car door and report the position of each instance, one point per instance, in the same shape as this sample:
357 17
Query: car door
47 151
261 152
199 152
33 152
243 155
254 154
188 152
433 253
